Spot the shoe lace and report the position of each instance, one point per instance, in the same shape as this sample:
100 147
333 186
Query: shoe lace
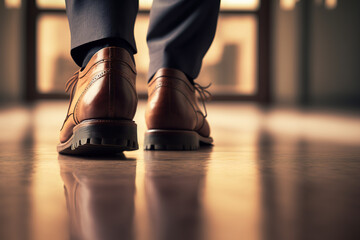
70 84
205 95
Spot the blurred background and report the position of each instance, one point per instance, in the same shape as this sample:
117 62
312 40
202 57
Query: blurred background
287 52
289 171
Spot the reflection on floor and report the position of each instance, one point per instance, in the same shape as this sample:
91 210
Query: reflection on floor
272 174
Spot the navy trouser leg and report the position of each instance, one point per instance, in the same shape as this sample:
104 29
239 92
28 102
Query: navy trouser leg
93 20
180 33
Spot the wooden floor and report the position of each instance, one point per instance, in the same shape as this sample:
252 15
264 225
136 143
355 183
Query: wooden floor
272 174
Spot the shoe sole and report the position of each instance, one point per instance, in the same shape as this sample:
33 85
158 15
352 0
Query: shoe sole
101 137
156 139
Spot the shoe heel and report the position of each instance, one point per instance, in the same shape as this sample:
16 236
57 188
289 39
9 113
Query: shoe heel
171 140
102 137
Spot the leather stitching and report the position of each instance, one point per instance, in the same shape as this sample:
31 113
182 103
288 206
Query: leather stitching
67 117
177 89
106 60
93 80
76 120
164 76
126 77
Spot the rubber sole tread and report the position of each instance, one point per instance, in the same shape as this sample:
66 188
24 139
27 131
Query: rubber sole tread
177 140
101 137
100 146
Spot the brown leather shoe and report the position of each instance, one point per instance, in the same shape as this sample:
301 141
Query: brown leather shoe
103 102
173 117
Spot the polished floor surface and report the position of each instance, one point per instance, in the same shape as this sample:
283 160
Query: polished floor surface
272 174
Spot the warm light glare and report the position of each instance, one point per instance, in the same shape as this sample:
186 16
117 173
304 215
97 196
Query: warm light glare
230 63
51 3
288 4
237 47
330 4
13 3
240 4
54 63
146 4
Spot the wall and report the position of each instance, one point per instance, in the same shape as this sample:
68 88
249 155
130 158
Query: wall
10 45
329 73
285 62
335 54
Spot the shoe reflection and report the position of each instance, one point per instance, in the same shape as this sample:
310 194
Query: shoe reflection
99 197
174 184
